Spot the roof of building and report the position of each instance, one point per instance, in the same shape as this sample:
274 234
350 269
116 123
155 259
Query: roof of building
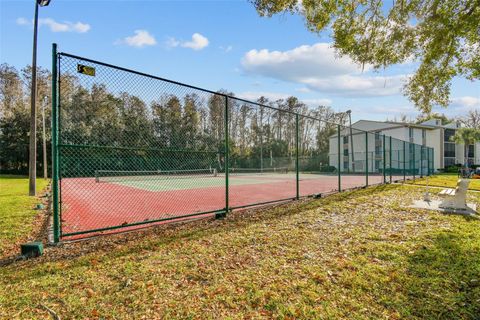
430 124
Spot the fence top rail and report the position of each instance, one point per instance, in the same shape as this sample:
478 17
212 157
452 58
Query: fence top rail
206 90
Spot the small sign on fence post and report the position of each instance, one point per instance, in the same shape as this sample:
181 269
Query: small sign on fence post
89 71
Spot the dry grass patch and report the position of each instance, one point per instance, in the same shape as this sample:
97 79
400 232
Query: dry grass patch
357 255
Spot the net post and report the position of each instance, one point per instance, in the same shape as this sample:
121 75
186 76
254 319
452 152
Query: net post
339 160
366 159
404 161
390 159
55 155
297 170
227 162
384 161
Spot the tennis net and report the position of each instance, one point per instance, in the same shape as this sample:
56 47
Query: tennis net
125 175
247 171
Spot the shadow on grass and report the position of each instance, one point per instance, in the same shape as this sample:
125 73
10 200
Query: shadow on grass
444 277
12 176
149 238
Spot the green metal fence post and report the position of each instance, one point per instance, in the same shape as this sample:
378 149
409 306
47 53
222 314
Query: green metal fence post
384 161
366 159
398 161
339 160
227 161
56 216
421 161
390 160
404 160
433 160
428 161
414 151
297 169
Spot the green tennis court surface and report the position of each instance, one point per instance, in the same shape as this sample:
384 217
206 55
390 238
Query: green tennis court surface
157 181
195 183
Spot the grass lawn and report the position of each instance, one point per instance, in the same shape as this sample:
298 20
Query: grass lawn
16 211
448 180
354 255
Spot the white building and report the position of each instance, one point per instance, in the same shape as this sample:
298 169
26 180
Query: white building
430 134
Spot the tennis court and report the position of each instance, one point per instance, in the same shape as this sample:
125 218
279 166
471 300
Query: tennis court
126 198
132 150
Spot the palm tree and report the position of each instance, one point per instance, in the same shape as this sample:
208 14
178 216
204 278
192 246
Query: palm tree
466 136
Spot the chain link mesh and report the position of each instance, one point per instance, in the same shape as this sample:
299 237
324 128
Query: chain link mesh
136 149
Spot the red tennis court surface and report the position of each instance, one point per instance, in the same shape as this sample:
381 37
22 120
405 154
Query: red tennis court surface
89 206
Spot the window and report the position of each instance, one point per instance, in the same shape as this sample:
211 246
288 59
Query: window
424 137
471 151
448 134
449 150
449 162
410 134
345 165
345 139
345 152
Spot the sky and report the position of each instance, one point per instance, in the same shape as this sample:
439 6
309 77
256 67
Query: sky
216 45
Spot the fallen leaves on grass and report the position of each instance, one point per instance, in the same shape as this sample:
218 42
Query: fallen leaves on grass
353 255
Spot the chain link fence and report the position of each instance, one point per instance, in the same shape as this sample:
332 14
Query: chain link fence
131 149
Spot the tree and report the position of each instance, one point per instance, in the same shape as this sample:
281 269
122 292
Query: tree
190 120
471 120
425 117
441 35
14 141
466 136
15 114
137 129
11 90
160 122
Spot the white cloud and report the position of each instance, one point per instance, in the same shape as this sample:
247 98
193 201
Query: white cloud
55 26
254 95
273 96
140 39
350 85
198 42
298 63
172 42
81 27
465 102
459 106
382 111
226 49
22 21
303 90
317 67
317 102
